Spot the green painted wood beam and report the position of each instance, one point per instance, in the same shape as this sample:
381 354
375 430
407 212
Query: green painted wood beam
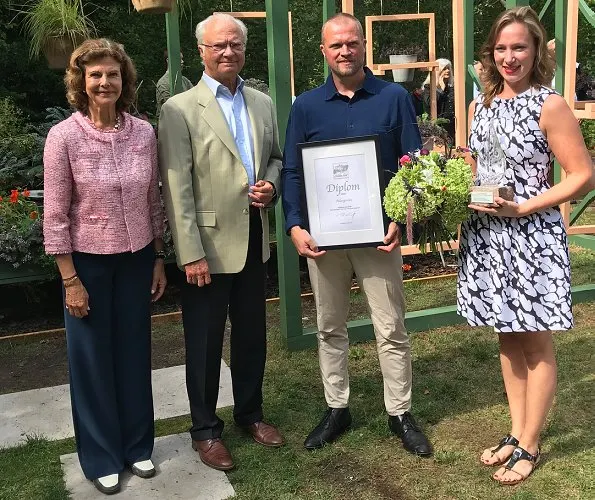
580 208
583 240
560 34
474 76
419 321
468 26
587 12
328 10
511 4
174 64
544 9
279 84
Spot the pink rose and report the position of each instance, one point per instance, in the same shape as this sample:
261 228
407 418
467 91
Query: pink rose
404 160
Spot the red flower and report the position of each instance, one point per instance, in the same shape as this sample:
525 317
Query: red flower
26 193
404 160
424 152
406 267
1 198
443 188
14 196
33 215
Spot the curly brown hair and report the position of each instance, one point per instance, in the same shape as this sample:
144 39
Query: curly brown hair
90 51
543 66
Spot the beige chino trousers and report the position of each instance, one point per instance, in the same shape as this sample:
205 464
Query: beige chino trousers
380 277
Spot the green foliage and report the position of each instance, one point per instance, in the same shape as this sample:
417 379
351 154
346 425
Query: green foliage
21 232
431 128
21 148
34 87
47 19
588 130
12 121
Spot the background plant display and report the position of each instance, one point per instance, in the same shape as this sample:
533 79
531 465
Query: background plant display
432 190
32 96
21 232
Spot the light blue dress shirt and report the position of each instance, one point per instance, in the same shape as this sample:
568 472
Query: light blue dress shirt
236 115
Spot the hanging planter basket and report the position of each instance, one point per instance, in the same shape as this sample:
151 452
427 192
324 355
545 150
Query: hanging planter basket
57 51
153 6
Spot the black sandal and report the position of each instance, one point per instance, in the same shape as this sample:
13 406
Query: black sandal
517 455
507 440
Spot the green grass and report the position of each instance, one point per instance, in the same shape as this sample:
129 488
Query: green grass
587 217
458 398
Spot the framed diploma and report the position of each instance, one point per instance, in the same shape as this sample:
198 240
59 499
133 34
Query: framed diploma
342 179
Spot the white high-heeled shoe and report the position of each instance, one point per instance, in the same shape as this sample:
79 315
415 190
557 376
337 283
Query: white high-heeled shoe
108 484
144 469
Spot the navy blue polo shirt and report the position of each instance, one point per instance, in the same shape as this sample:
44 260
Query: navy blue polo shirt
378 107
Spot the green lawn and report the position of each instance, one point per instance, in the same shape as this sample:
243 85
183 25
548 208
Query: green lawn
458 398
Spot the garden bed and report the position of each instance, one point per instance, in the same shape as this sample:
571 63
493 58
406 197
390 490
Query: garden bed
35 306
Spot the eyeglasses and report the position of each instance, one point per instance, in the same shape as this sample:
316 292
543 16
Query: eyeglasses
221 47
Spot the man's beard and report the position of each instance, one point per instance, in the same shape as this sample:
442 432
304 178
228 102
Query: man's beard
353 70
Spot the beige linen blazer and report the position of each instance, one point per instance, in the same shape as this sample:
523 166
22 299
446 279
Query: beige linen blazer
205 185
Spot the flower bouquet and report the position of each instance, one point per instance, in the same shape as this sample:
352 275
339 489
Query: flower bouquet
432 190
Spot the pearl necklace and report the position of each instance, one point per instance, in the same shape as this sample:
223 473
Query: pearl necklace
115 128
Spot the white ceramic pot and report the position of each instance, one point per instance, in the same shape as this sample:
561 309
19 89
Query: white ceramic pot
403 75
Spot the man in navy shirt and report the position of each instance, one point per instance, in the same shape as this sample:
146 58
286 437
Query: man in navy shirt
353 102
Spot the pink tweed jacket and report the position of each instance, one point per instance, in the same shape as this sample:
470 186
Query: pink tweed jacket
101 189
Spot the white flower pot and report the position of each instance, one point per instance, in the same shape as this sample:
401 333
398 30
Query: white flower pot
403 75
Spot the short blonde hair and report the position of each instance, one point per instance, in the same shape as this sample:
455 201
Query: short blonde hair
543 66
88 52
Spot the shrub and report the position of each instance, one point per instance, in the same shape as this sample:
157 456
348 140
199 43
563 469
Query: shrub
588 130
21 232
12 121
21 154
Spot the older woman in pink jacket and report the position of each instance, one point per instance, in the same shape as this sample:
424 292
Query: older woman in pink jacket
103 221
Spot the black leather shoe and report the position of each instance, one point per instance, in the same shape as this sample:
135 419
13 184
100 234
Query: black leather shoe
334 423
413 438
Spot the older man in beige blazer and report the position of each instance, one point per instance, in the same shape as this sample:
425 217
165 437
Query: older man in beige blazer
220 165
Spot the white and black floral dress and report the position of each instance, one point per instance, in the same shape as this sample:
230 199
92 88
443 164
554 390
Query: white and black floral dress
514 273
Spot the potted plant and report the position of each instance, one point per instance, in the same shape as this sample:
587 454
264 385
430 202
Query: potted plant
160 6
56 27
432 131
399 53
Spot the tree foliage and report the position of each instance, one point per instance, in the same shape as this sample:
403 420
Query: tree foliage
34 87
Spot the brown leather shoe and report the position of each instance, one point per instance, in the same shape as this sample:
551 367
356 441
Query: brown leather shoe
265 434
213 453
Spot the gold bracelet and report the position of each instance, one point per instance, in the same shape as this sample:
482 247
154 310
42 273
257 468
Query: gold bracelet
70 281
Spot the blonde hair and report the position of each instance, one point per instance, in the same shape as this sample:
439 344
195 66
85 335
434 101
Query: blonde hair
90 51
442 63
543 66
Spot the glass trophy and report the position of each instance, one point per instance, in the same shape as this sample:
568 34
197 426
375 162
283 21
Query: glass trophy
491 168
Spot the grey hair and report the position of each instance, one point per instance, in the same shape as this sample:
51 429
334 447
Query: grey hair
200 27
442 63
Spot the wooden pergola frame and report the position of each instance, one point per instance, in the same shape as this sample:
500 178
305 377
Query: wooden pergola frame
430 66
278 36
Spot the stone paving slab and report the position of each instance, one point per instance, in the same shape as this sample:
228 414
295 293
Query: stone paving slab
180 476
46 412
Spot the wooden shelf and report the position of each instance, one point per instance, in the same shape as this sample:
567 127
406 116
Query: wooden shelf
380 69
584 110
587 229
